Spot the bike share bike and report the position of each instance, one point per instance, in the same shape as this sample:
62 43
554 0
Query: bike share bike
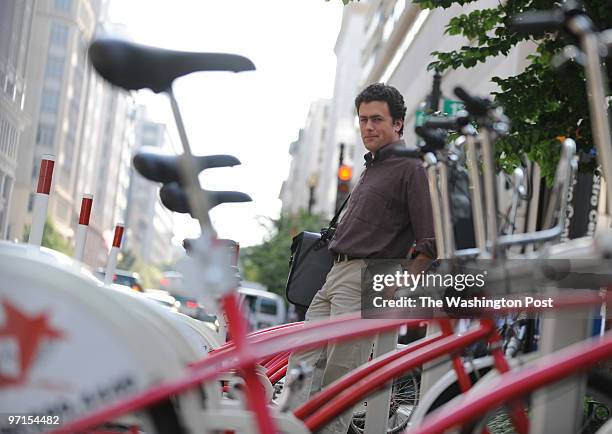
555 210
572 20
173 400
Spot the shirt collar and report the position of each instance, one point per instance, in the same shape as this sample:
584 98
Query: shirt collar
382 153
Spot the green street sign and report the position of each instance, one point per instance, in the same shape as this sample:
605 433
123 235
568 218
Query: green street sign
451 107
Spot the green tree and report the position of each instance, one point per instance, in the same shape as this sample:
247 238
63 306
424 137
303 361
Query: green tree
51 238
268 262
127 259
543 103
149 273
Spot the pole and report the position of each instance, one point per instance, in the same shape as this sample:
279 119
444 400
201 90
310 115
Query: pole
82 227
339 198
41 200
112 256
436 94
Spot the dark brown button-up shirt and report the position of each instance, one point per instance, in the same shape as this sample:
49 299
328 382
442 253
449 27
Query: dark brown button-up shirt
389 210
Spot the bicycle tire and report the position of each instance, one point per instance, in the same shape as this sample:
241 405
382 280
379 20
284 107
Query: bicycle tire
598 386
454 389
404 398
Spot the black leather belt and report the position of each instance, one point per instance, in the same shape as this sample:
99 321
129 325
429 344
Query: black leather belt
342 257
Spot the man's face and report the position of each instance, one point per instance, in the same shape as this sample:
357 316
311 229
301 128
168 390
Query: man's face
377 126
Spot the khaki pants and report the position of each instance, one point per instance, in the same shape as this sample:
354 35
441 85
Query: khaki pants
340 294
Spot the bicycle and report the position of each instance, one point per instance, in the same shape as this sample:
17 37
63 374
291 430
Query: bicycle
265 347
576 22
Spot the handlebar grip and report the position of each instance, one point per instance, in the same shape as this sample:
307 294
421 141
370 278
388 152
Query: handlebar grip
606 39
447 123
434 138
538 22
474 105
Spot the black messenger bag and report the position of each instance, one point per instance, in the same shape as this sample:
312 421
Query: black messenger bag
310 262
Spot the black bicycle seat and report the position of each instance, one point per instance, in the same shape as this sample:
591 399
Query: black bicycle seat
133 66
160 167
175 199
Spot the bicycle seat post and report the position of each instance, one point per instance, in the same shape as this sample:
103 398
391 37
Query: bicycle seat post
582 27
449 237
197 200
517 189
489 189
475 188
431 165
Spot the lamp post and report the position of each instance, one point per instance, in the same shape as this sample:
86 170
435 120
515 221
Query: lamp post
313 180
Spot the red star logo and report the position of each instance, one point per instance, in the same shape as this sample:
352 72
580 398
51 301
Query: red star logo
29 332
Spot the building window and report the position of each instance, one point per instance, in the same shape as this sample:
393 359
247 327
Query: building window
55 66
398 10
388 28
372 26
63 5
3 139
392 20
59 34
8 184
31 202
12 137
49 101
45 134
369 65
9 88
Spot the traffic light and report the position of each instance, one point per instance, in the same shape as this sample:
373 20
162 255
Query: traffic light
345 173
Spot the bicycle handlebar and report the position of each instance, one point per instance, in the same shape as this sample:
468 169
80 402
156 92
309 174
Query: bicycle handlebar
454 123
474 105
435 139
606 39
538 22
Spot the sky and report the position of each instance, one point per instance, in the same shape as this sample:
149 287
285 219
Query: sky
251 115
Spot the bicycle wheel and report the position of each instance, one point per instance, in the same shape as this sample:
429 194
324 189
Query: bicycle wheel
404 398
454 389
90 348
597 409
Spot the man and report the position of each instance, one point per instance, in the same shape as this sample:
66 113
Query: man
388 212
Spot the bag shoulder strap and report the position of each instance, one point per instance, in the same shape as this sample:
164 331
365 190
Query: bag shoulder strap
334 220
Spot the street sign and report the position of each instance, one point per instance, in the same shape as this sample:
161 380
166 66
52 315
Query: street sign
450 107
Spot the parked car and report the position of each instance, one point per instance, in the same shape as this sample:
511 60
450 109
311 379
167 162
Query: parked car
172 282
130 279
266 308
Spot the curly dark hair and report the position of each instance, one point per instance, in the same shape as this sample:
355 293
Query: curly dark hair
388 94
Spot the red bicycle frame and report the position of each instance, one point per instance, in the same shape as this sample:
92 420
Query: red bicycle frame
513 385
247 350
245 354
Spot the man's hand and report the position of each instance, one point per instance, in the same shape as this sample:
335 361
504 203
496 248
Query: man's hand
414 267
421 263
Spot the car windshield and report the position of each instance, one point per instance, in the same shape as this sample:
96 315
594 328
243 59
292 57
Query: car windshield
268 307
124 280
